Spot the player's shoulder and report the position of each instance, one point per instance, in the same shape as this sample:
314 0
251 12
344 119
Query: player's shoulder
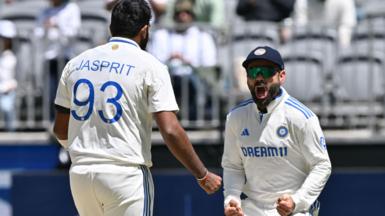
150 58
151 63
297 111
241 108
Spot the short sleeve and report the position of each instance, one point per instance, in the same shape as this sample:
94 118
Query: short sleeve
63 93
161 94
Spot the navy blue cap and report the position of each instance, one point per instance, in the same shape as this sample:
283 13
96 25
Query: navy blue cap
264 53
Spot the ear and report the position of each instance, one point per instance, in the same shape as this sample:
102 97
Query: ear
143 31
282 77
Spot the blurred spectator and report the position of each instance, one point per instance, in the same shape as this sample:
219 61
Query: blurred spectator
8 82
188 51
158 8
286 13
268 10
341 14
6 2
300 13
298 17
57 25
206 11
56 28
9 1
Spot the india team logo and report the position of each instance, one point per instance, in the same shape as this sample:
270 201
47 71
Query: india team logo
259 51
282 131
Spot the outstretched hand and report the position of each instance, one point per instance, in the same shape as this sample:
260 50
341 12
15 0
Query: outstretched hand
210 183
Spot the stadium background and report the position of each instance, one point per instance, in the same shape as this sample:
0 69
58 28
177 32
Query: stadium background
33 181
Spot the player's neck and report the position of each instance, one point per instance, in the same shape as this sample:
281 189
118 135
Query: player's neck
262 109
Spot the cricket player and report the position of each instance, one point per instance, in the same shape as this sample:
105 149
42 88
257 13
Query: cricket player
105 104
275 152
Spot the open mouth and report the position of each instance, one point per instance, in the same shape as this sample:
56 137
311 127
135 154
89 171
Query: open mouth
261 91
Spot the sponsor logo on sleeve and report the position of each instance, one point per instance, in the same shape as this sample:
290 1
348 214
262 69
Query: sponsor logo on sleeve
245 132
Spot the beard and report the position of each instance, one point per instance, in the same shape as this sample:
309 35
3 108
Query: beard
272 93
143 42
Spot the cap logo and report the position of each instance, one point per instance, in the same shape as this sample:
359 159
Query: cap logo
260 51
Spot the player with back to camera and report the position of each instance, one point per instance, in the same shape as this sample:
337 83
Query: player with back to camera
105 104
275 151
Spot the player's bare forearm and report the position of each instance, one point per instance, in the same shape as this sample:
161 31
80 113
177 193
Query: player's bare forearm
180 146
178 143
60 128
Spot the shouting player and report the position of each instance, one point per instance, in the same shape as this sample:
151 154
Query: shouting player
275 151
105 104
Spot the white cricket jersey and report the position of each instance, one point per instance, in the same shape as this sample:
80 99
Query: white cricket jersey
112 91
281 151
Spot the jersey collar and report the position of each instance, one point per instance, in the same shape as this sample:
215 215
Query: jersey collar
274 103
123 40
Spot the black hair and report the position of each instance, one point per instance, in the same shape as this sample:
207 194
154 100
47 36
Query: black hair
128 17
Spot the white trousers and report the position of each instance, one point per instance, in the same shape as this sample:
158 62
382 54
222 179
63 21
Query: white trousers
112 190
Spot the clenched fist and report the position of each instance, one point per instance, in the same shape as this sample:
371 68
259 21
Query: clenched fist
210 183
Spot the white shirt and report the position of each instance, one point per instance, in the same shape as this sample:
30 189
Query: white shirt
112 91
282 151
343 15
7 71
197 47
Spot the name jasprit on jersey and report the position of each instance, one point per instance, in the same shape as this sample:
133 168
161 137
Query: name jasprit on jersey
103 65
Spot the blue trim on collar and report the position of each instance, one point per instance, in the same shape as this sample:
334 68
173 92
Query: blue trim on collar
242 104
123 41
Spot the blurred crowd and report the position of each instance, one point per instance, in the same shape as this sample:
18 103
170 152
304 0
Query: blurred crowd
192 37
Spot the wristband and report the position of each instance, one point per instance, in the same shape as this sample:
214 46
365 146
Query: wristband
204 177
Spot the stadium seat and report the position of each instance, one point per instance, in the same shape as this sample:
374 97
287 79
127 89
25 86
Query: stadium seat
373 9
23 14
369 35
248 35
95 19
359 93
316 38
306 79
